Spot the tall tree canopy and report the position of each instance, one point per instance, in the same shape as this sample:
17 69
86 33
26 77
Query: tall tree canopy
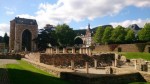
65 35
107 34
144 34
45 38
98 35
6 39
118 34
130 37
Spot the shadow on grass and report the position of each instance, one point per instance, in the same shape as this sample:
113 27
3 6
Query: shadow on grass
26 77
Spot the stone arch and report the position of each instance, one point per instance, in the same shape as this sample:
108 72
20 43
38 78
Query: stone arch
78 40
26 40
17 28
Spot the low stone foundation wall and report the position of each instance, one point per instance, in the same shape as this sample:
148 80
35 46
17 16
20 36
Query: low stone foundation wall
65 59
145 75
33 56
11 56
82 78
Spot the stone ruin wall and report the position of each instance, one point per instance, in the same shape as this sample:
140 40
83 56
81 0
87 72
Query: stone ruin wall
104 59
124 48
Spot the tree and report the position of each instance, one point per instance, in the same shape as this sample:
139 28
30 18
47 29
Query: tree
144 34
1 39
98 35
65 35
107 35
6 39
130 37
45 38
118 34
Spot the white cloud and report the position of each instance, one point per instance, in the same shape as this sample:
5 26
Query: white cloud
4 28
65 11
10 11
126 23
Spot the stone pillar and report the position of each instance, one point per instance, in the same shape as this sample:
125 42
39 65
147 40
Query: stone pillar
48 50
72 64
57 50
135 64
51 51
95 63
84 52
73 50
90 53
64 51
87 52
81 51
87 67
115 63
148 66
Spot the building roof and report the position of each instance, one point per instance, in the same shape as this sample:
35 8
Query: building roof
134 27
25 21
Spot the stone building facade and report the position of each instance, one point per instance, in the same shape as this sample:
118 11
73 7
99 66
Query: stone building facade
87 38
22 33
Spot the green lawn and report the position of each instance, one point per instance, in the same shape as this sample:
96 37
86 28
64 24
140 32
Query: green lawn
136 55
139 83
24 73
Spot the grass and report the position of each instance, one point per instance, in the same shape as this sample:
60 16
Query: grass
24 73
139 83
136 55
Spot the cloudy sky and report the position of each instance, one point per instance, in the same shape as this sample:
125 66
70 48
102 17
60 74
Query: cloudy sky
76 13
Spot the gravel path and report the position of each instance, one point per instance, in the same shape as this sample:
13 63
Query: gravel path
4 79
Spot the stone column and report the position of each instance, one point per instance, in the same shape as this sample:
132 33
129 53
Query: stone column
51 51
64 51
57 50
72 64
81 51
87 67
48 50
115 63
135 64
73 50
84 52
95 63
148 66
90 53
87 52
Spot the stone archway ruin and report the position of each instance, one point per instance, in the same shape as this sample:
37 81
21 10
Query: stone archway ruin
20 29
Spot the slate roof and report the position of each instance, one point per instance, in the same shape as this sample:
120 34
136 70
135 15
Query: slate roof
134 27
25 21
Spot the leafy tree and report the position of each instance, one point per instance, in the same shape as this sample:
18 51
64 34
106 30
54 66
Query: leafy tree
99 35
45 38
65 35
1 39
118 34
107 35
130 37
6 39
144 34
